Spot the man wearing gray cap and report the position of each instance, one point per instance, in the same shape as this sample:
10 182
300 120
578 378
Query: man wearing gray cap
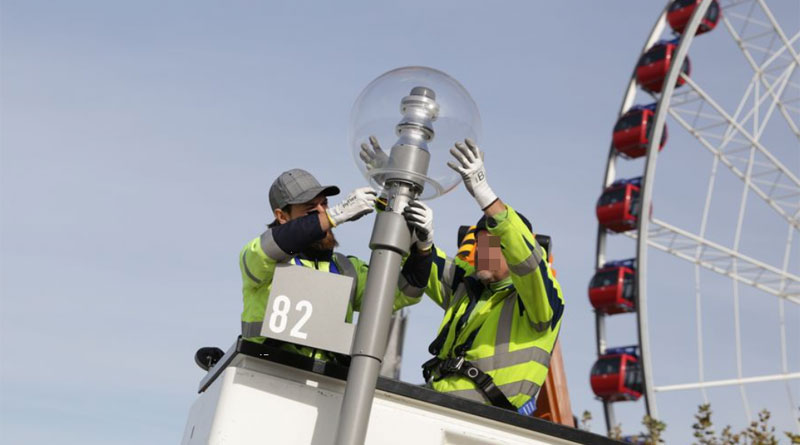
301 234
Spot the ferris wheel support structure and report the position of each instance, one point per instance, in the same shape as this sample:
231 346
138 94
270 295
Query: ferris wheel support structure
735 141
648 178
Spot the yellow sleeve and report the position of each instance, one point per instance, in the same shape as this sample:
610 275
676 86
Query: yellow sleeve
446 274
404 294
538 289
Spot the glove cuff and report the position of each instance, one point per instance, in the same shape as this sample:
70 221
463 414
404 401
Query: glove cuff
484 195
424 246
335 215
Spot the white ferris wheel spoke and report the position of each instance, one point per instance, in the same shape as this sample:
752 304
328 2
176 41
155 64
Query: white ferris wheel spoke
729 382
718 258
737 141
772 29
782 325
777 177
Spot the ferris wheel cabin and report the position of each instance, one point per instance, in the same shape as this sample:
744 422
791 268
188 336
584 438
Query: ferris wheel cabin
612 288
632 131
680 11
654 64
618 208
617 375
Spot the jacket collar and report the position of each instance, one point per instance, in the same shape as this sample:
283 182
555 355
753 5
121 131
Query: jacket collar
316 255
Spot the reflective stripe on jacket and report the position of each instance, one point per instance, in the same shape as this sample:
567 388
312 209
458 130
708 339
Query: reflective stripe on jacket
509 332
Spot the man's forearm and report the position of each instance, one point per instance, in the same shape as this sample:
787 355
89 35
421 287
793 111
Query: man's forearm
494 208
417 268
297 234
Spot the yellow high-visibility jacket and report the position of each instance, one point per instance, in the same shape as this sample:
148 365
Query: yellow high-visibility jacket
508 329
259 257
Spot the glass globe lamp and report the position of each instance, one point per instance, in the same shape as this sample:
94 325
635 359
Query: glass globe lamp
412 106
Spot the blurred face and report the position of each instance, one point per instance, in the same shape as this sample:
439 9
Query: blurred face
490 265
319 205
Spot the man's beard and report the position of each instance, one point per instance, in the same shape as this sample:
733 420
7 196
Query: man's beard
325 244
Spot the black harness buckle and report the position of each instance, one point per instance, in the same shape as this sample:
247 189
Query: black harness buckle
438 369
451 365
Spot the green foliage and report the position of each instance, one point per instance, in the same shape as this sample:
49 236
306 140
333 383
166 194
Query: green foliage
616 432
759 432
586 418
703 431
654 428
728 437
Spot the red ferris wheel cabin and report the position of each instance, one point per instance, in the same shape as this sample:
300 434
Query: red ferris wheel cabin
633 129
617 375
680 11
619 206
612 289
654 64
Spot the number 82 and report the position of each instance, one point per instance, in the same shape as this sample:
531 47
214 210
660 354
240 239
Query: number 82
278 319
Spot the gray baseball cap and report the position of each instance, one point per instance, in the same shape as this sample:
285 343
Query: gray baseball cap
297 186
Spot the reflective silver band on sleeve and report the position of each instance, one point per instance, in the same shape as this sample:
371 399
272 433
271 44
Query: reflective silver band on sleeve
349 270
529 264
247 269
449 272
461 290
446 283
271 248
251 329
345 266
444 291
408 289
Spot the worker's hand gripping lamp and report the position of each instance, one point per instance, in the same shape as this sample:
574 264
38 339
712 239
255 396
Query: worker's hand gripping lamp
415 167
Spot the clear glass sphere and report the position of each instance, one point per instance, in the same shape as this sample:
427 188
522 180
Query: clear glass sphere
377 112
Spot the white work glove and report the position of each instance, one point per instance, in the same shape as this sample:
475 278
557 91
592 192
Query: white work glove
373 157
360 202
470 167
420 219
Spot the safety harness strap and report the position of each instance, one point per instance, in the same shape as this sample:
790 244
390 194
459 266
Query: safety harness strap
346 268
483 382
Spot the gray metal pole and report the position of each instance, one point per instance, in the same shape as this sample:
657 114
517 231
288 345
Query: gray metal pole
408 163
393 359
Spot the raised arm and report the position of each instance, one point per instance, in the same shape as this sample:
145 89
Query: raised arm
417 265
410 284
538 289
530 272
445 276
277 244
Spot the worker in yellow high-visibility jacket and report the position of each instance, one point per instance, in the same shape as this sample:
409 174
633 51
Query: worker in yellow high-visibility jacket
503 315
302 234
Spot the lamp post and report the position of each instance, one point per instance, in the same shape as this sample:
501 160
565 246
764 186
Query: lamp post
415 168
408 164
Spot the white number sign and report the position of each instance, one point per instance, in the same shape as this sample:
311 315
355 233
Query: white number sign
279 317
309 307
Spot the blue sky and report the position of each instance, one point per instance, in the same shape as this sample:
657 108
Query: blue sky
138 141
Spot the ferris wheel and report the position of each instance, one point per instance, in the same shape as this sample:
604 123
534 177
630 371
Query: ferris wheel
697 283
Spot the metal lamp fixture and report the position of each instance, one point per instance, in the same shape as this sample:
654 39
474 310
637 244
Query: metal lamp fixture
415 167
